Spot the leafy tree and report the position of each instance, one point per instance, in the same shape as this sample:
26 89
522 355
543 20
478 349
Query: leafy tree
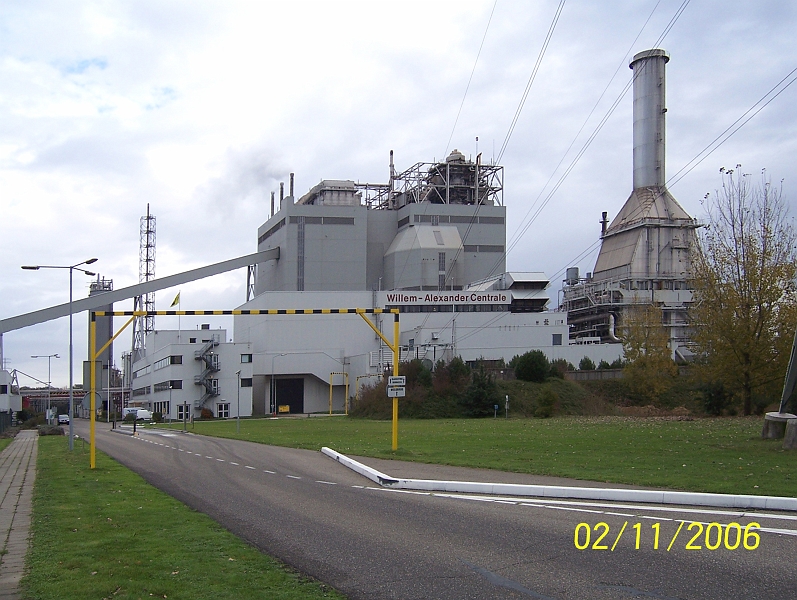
481 395
586 364
559 367
604 364
745 308
650 369
532 366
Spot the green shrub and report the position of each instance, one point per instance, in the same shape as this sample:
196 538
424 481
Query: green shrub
532 366
586 364
604 365
157 417
559 367
715 398
481 395
206 413
547 404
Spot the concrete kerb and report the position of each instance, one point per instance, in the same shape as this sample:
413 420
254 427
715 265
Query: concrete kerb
580 493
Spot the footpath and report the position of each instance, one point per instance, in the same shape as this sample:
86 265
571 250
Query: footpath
17 474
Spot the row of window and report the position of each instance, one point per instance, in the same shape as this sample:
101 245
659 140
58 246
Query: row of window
173 384
322 220
437 219
177 384
165 362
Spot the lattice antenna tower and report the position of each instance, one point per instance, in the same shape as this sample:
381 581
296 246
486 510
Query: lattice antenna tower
146 271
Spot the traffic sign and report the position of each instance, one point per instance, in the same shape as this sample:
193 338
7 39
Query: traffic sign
395 391
397 380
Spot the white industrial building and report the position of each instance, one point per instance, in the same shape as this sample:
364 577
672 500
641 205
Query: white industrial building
191 370
10 399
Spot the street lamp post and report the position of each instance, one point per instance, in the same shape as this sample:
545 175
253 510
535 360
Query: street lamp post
238 410
71 386
273 402
49 379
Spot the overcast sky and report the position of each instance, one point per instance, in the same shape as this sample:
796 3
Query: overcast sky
201 108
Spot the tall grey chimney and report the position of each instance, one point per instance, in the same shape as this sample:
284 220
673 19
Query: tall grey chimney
649 109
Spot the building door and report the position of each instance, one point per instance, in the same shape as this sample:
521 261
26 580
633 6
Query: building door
290 392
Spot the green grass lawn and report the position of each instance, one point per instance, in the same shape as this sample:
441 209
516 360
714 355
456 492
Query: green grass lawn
107 534
724 455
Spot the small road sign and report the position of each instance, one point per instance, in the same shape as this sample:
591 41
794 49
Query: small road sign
397 380
395 391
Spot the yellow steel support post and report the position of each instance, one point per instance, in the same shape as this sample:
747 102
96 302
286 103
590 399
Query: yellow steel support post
331 376
93 378
346 398
395 374
93 386
395 348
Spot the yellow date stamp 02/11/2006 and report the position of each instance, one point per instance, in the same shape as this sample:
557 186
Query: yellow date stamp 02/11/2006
698 536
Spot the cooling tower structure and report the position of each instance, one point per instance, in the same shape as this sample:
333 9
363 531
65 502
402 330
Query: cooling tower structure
645 251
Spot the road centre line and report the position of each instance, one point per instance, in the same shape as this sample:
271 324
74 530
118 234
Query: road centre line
246 466
235 463
293 477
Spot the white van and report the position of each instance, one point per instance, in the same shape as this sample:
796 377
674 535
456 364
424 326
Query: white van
141 414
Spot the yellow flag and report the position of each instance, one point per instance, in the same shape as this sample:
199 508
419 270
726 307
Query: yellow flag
176 300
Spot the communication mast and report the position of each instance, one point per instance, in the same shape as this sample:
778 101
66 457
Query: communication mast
146 271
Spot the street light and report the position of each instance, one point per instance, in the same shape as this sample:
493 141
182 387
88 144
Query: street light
238 410
49 380
71 391
274 385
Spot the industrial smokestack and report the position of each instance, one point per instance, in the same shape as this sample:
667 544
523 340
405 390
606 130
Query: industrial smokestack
291 194
272 204
649 109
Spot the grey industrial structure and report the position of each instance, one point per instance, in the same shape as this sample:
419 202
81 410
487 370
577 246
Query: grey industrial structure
645 255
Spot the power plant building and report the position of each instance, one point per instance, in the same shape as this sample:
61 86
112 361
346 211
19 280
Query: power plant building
645 255
430 242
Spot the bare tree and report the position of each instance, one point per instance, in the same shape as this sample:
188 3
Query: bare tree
744 313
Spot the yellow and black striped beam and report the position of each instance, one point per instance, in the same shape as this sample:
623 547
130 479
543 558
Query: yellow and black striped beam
268 311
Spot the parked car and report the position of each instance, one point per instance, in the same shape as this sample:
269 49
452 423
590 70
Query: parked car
63 419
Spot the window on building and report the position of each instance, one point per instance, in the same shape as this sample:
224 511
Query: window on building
177 384
192 340
3 389
223 410
246 358
556 339
182 412
214 385
246 382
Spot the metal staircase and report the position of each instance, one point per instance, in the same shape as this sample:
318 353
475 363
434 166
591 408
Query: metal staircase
205 379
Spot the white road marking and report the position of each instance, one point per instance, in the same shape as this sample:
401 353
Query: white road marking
266 471
326 482
293 476
248 467
235 463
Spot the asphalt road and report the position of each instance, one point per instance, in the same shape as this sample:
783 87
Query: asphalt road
367 542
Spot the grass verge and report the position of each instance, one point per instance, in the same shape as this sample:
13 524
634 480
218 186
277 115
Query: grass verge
723 455
106 533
